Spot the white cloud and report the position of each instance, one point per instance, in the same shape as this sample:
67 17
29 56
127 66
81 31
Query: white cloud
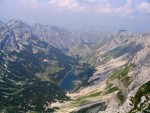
96 1
130 8
100 6
92 1
144 7
125 10
67 4
32 3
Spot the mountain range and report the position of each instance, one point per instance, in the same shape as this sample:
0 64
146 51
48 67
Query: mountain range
109 73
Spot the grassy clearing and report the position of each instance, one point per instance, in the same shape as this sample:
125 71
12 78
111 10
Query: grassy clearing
50 70
122 76
84 99
121 97
115 75
111 90
79 102
121 73
120 80
126 81
95 94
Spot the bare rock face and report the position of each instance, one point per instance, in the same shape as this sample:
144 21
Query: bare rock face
141 73
122 49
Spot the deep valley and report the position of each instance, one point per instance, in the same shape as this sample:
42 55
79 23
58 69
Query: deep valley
46 69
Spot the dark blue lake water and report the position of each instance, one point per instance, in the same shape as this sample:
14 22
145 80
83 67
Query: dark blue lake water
68 82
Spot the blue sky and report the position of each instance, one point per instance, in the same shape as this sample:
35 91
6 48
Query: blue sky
108 15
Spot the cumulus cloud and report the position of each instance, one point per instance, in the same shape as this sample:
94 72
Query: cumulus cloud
144 7
124 10
100 6
73 5
130 8
32 3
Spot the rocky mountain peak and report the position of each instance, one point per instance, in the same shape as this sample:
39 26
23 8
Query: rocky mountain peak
48 28
16 24
123 33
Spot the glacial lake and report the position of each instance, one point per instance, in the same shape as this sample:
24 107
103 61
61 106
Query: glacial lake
68 82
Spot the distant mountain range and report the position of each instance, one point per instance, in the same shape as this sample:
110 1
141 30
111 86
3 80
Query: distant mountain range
35 59
55 36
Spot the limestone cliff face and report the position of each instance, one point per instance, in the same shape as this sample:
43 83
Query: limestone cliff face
141 74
